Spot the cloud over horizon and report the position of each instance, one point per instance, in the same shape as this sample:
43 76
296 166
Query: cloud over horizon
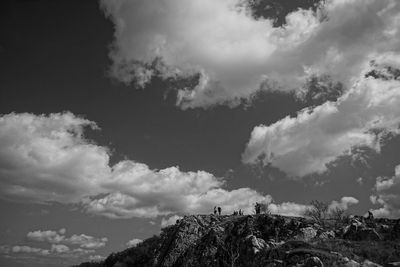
386 194
55 245
237 54
134 242
125 190
57 237
46 158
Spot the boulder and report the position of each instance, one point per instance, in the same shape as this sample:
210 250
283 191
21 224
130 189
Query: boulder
358 233
327 235
255 244
307 233
368 263
341 261
313 262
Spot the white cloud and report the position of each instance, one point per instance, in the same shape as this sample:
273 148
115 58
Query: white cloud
56 250
229 201
47 159
28 249
343 204
127 189
59 248
296 209
46 236
170 221
123 206
235 53
82 240
134 242
4 249
137 191
306 143
387 194
86 241
288 209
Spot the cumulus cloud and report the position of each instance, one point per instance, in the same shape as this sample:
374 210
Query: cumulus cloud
35 157
387 194
170 221
47 159
134 242
68 249
229 201
59 248
288 209
343 204
53 237
47 236
236 54
28 249
86 241
305 144
118 205
137 191
296 209
55 253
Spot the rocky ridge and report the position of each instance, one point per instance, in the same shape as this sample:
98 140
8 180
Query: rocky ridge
266 240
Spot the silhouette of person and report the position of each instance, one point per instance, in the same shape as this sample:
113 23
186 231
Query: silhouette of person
215 210
370 215
219 210
257 208
240 212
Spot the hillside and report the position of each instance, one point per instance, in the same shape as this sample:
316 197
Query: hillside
266 240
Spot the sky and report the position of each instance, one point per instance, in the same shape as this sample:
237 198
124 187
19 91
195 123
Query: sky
119 117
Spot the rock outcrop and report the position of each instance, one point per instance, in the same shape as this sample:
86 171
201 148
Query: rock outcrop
263 240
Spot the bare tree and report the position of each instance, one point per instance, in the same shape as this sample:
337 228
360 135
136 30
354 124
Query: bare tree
318 212
261 208
232 250
337 214
234 255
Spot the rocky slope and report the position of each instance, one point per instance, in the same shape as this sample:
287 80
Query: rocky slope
266 240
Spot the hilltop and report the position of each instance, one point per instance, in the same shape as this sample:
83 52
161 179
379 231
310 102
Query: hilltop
266 240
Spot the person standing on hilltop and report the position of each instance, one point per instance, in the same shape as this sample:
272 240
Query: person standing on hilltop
215 210
257 208
219 210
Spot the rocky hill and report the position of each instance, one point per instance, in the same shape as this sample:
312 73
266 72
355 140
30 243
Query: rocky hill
266 240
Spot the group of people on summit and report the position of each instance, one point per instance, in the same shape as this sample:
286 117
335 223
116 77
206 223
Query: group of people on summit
258 209
217 209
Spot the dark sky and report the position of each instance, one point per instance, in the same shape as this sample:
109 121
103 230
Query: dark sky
54 58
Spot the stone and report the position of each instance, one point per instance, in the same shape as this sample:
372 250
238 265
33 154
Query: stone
208 240
368 263
307 233
357 233
255 244
327 235
313 262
